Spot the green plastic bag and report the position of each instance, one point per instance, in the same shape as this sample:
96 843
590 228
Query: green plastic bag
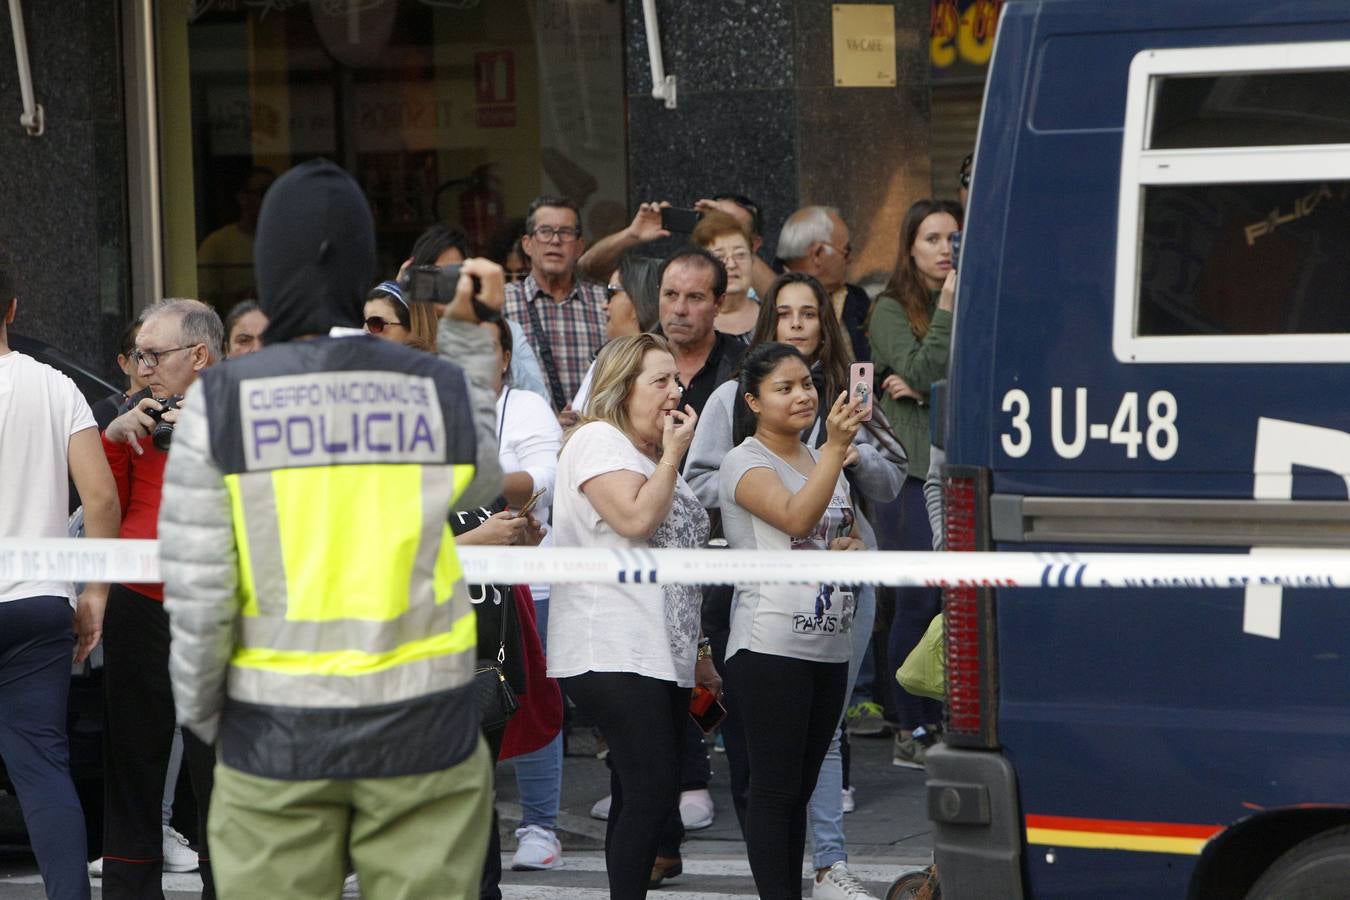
924 671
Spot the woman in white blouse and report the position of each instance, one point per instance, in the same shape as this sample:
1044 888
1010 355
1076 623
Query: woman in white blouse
629 654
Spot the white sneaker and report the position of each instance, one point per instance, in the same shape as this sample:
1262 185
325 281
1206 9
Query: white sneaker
351 886
96 868
178 856
601 808
840 884
539 849
847 801
696 809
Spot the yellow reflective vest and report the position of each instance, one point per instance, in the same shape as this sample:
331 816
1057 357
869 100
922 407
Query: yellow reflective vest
320 621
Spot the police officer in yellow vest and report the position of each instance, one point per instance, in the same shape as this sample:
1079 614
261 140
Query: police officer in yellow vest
322 633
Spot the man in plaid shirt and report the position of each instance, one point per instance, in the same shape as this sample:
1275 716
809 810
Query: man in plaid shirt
563 318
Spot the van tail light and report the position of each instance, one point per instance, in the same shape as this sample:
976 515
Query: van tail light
969 615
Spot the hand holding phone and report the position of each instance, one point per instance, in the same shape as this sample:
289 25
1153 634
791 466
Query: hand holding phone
860 387
705 709
529 504
674 218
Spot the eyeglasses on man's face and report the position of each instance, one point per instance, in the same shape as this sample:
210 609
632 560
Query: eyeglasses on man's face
845 251
564 235
150 358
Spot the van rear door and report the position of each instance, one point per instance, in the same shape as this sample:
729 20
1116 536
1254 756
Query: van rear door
1153 326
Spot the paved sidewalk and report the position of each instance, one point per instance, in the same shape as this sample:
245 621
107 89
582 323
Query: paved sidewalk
887 836
890 824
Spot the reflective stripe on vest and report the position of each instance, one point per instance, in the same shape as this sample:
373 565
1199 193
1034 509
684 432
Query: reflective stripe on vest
345 599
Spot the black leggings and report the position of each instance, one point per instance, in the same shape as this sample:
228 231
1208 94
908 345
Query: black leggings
642 720
790 708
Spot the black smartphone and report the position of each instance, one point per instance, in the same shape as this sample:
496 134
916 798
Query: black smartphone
706 710
956 251
681 221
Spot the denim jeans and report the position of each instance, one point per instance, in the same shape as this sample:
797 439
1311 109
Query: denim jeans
825 811
36 644
539 774
171 779
862 686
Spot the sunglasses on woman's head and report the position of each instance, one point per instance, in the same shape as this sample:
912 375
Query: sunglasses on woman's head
377 324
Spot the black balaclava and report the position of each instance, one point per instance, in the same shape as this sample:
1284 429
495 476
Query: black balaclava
314 252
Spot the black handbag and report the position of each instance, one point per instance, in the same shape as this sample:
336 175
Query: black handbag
497 701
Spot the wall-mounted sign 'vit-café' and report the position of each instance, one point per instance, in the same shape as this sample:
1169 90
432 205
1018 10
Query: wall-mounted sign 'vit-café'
864 45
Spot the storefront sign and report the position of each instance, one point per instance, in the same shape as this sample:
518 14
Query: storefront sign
864 45
961 38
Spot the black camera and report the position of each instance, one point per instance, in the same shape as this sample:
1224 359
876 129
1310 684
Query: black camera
437 284
163 432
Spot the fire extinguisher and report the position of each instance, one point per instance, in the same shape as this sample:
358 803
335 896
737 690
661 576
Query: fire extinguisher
482 206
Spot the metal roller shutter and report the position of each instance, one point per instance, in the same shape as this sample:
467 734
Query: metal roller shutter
956 117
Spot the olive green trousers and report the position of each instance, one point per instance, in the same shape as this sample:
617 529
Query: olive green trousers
412 837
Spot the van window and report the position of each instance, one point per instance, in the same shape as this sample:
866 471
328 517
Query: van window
1233 240
1252 110
1262 258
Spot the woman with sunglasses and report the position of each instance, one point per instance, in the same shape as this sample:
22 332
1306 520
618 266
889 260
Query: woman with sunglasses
797 312
631 305
386 312
790 645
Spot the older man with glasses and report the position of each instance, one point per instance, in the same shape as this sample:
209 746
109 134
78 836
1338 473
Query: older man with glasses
563 317
815 240
177 340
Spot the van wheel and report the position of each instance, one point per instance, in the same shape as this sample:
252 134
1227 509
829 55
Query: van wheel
921 885
1317 869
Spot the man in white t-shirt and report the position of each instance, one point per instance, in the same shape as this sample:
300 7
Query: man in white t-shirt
47 433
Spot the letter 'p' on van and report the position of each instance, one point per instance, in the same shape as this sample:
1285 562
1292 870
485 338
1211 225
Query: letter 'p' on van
1151 353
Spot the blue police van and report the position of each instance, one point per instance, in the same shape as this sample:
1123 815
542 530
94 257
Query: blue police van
1152 338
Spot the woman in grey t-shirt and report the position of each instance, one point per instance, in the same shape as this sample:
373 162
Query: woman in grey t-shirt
790 644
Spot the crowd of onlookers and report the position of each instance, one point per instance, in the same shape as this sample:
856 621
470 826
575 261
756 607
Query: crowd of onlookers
707 397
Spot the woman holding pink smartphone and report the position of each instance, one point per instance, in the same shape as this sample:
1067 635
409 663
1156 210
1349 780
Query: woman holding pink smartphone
790 645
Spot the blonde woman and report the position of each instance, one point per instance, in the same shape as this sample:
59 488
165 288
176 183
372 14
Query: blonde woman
628 654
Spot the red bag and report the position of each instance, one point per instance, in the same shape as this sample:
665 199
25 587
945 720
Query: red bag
540 716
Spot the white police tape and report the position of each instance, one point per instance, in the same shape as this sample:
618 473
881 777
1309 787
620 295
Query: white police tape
87 559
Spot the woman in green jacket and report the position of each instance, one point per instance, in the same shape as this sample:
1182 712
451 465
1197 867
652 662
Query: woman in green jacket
910 330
